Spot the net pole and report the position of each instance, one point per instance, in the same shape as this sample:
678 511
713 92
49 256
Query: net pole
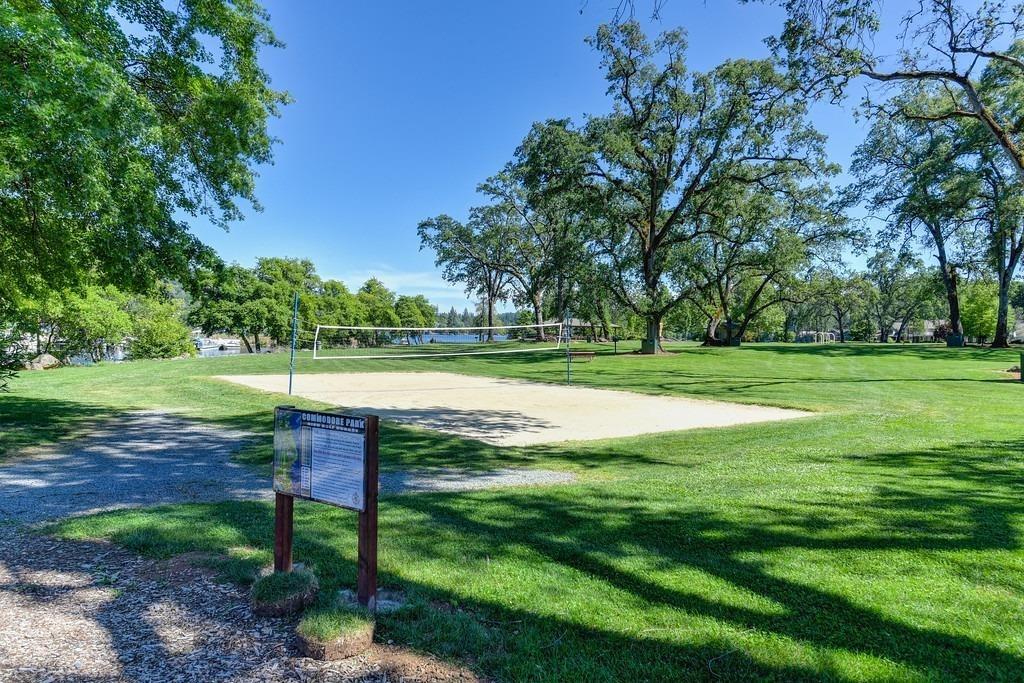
295 335
567 326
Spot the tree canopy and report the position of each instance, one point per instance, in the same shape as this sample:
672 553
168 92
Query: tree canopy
119 121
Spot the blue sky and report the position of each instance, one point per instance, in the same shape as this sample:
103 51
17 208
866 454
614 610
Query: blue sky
402 107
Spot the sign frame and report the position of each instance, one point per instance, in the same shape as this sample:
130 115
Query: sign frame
293 437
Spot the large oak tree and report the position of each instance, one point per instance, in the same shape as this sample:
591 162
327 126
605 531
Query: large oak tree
674 138
971 55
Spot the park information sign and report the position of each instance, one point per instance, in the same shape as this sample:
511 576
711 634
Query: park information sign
321 457
328 458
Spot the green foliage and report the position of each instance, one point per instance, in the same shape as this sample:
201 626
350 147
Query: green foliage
863 329
1017 296
68 323
233 300
899 289
637 187
766 324
472 254
409 313
844 296
337 306
379 303
11 355
119 119
158 330
946 152
92 320
258 302
282 278
979 308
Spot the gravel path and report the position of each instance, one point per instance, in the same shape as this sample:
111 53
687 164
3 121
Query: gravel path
79 611
138 459
151 458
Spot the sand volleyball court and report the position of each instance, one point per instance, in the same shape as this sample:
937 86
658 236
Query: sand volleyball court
510 412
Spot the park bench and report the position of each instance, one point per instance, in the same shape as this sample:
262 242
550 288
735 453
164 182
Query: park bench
584 356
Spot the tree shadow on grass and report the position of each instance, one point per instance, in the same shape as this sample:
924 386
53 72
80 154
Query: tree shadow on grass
958 499
848 350
590 537
30 422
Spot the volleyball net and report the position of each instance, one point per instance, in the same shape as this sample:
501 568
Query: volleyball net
339 342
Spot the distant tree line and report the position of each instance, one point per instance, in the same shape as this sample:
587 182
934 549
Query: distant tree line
254 304
257 303
94 320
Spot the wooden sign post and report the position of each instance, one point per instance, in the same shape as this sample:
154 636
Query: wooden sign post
327 458
366 581
283 504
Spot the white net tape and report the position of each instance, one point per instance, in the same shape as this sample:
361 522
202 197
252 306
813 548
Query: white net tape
342 342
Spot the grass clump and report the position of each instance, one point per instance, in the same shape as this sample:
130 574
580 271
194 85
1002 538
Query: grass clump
283 593
280 585
327 624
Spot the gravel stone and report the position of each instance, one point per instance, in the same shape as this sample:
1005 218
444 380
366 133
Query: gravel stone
89 611
140 459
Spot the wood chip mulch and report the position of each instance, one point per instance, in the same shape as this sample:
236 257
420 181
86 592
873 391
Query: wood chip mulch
90 611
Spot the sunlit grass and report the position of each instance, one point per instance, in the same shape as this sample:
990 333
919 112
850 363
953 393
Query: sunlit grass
879 540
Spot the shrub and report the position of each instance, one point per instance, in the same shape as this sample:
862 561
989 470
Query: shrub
10 358
158 332
863 330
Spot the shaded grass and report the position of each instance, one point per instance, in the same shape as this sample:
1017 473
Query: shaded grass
278 585
879 540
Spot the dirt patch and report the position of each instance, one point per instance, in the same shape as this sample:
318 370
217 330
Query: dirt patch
508 412
400 664
76 611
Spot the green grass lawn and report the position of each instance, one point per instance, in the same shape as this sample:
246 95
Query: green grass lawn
879 540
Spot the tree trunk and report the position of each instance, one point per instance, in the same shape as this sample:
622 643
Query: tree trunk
741 332
538 313
839 324
490 317
710 330
1001 340
883 331
560 297
652 344
245 340
902 330
949 280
